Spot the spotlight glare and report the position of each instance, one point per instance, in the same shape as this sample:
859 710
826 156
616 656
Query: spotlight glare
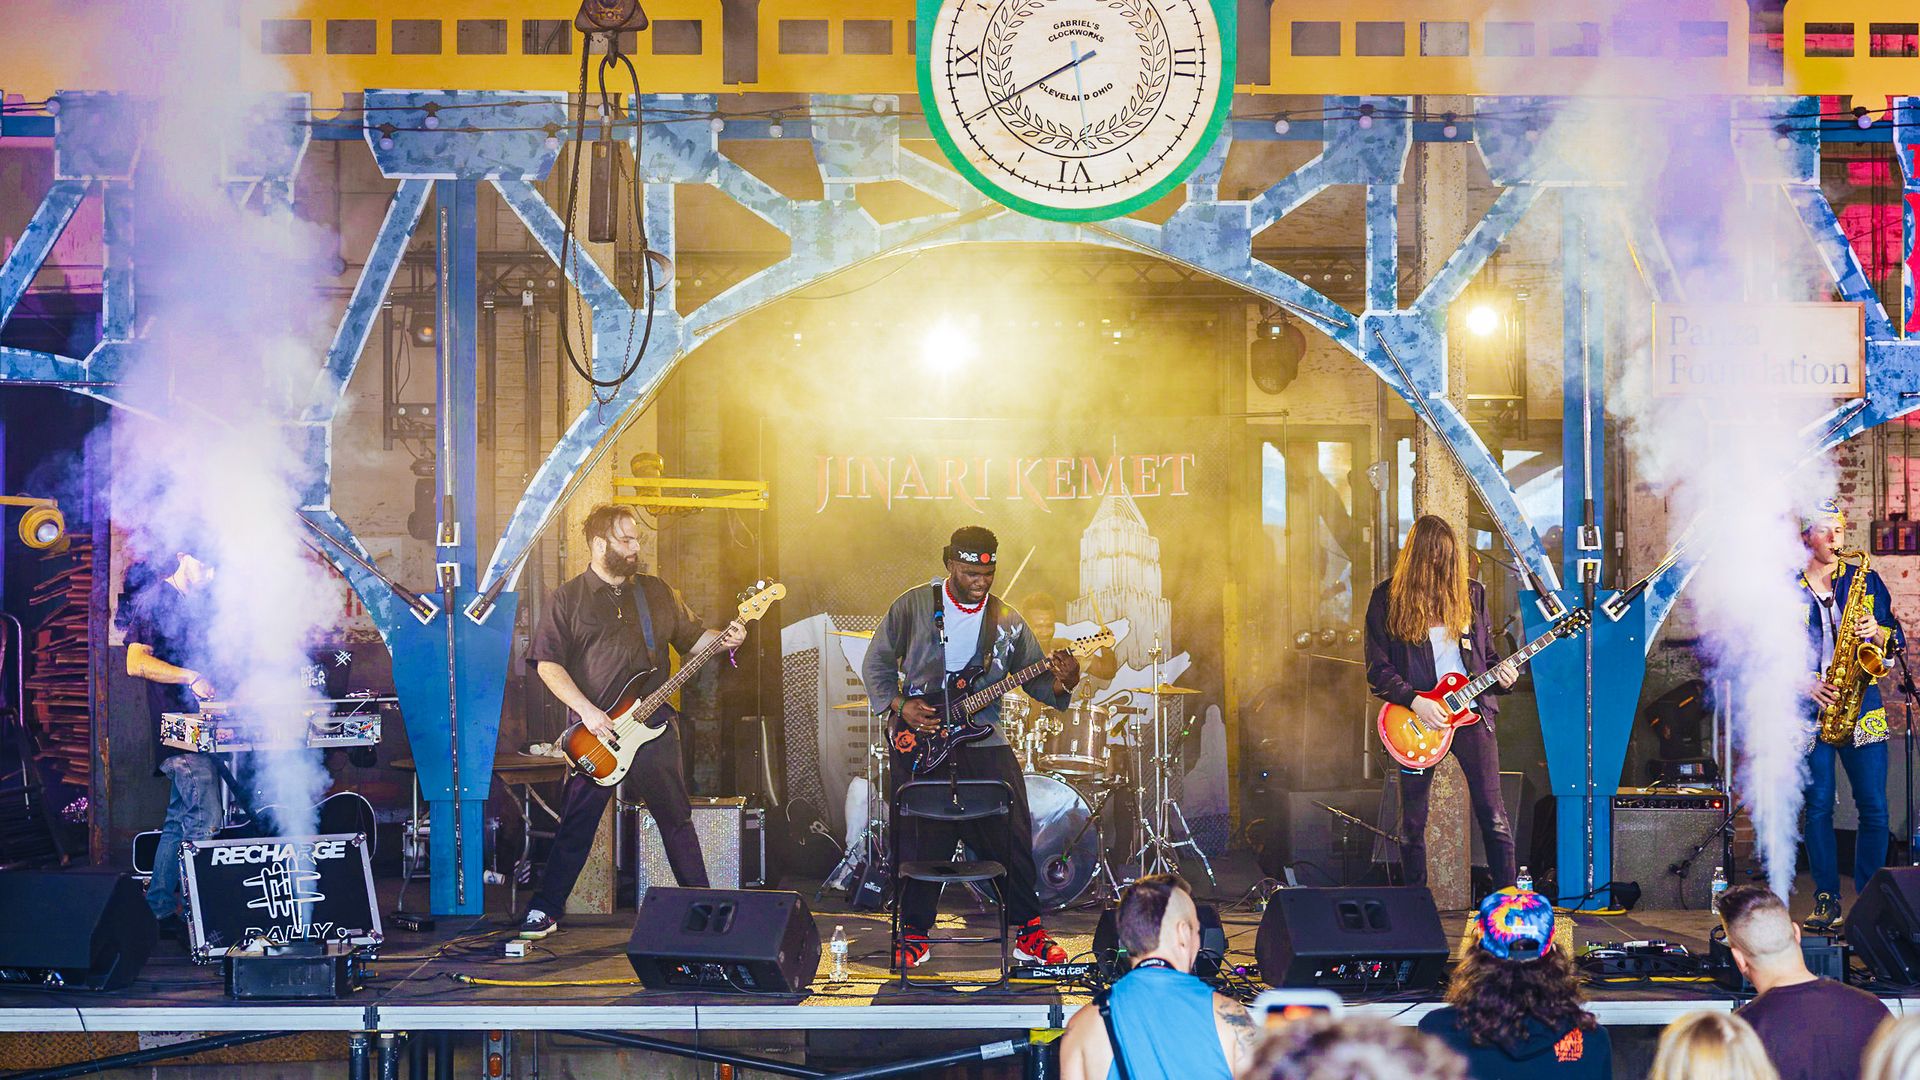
1482 320
948 348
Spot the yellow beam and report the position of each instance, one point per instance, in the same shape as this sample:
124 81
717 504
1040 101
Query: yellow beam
865 46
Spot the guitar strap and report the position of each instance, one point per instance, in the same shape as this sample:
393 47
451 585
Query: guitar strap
989 630
646 615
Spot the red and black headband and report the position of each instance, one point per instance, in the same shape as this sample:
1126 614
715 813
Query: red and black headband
976 558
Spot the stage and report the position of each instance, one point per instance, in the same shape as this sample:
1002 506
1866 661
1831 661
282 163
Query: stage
579 979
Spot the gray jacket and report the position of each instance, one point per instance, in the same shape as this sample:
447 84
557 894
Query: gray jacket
906 653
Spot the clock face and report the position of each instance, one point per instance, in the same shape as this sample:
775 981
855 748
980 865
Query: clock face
1075 109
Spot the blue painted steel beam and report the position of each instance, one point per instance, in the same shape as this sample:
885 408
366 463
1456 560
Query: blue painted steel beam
36 241
1383 247
369 292
1837 254
1486 237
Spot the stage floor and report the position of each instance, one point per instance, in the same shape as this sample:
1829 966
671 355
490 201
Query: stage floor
455 978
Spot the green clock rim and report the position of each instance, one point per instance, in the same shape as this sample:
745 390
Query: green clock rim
1225 14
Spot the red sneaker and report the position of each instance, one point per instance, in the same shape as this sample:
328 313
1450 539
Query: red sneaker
912 951
1033 945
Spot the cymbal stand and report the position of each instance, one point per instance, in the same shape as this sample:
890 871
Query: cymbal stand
1159 853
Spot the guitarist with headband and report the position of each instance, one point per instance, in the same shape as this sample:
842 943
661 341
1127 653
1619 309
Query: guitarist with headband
597 631
929 631
1425 621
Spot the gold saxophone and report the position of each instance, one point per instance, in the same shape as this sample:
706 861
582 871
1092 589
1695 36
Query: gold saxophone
1856 660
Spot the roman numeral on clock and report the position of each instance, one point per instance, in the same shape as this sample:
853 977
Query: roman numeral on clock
1186 62
966 65
1074 172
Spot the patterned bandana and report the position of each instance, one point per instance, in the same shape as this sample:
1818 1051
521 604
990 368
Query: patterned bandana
1827 512
1516 925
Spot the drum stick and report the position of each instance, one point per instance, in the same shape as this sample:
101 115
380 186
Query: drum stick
1015 580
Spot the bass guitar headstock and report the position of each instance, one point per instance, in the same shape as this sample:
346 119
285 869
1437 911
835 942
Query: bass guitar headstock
757 598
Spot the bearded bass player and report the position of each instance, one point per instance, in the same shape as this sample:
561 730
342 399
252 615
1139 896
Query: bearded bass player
929 631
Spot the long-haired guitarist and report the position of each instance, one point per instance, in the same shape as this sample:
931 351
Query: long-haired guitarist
929 631
598 631
1428 619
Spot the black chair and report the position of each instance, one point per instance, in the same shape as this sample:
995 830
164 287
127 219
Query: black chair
952 801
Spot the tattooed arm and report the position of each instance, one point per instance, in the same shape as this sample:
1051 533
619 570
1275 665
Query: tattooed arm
1236 1029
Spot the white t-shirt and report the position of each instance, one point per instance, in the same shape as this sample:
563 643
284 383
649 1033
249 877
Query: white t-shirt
1446 652
963 632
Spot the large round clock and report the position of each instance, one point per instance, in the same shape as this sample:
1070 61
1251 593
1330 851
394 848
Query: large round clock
1075 110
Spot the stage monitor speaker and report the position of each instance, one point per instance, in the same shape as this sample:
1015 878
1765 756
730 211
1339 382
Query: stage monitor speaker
725 940
1654 831
1352 939
733 842
1884 925
1213 941
98 941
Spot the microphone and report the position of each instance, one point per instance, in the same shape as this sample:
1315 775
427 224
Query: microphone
1059 869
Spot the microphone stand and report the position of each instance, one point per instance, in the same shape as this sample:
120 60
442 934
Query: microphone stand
1347 821
1907 693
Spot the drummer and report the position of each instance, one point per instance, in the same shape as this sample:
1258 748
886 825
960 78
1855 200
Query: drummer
1044 618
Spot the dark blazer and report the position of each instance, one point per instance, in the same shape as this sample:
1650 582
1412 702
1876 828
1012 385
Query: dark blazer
1397 669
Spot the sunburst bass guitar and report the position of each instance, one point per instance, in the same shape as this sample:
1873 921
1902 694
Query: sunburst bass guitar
640 712
1417 746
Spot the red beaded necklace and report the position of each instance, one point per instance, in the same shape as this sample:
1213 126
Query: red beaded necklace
955 601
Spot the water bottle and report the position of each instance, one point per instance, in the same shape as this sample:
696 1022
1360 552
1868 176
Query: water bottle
838 950
1719 886
1525 881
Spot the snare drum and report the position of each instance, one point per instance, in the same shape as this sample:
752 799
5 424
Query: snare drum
1078 747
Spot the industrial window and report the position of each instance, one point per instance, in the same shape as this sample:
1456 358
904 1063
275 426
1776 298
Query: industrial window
1443 39
480 37
1829 39
676 37
803 36
353 37
1573 39
1634 38
546 37
416 37
1380 39
1509 39
1702 38
286 37
1316 39
866 37
1893 39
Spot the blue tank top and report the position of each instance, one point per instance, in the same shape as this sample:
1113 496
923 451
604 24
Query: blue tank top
1165 1021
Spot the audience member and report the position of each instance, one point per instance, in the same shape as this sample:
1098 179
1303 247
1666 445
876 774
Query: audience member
1813 1028
1514 1007
1171 1024
1328 1047
1710 1046
1894 1053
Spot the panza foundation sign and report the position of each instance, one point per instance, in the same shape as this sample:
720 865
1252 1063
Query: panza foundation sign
1817 350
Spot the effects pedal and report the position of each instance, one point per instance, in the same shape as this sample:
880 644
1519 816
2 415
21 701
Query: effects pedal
413 921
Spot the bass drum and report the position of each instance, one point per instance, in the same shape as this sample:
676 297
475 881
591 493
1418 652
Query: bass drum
1060 815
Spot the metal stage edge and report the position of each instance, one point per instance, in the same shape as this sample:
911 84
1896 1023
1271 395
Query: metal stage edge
477 1017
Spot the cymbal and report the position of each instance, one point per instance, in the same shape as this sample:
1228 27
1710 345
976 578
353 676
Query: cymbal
1167 688
849 706
852 633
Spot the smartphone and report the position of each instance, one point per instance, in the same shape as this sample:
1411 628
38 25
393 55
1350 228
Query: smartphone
1275 1007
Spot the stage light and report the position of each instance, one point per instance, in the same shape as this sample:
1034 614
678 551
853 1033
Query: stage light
716 125
1281 126
1450 129
432 120
420 328
1862 117
42 526
947 348
1482 319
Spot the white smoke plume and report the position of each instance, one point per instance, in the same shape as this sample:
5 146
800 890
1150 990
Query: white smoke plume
1732 464
232 329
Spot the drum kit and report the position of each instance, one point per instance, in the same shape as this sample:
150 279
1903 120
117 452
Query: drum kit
1099 789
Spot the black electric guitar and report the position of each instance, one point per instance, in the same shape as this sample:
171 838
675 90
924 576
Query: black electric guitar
957 700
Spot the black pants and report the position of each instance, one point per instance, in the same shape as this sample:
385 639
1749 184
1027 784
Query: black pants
656 780
1005 840
1479 757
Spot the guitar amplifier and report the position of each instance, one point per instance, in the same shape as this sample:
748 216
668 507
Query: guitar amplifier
1653 830
733 841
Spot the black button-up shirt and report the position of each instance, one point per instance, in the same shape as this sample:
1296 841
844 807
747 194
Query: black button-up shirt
593 630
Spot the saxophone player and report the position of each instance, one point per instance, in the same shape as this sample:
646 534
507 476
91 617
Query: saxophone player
1855 738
